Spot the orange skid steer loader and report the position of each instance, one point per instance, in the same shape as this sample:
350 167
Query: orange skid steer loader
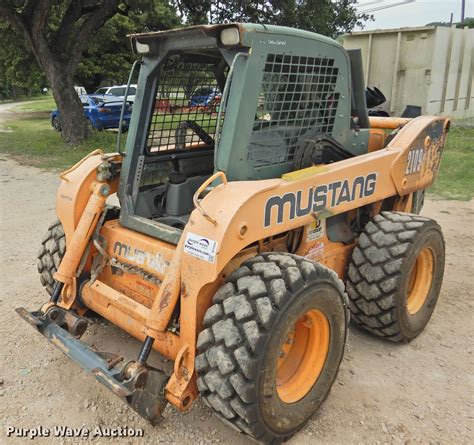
244 238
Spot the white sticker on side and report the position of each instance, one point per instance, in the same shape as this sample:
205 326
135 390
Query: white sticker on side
200 247
316 252
315 229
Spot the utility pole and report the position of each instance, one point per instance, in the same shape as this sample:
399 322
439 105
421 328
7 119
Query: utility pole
463 8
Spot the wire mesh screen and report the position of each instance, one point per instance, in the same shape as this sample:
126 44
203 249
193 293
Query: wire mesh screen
187 105
297 94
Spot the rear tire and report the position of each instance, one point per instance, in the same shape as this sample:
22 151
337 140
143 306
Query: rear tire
53 247
56 124
395 275
272 344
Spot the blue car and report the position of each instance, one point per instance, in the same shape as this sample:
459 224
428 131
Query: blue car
101 111
204 96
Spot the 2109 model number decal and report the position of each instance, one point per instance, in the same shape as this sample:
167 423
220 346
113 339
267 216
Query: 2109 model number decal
415 160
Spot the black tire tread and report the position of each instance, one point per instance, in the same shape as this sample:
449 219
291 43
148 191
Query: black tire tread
374 271
236 327
50 254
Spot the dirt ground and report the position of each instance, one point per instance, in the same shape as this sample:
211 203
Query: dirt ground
385 393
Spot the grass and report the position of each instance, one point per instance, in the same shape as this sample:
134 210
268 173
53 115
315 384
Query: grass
32 141
43 104
25 98
455 179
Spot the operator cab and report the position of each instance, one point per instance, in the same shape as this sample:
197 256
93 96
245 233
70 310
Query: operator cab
236 98
181 137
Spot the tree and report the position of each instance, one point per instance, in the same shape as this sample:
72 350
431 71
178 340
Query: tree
108 57
85 39
19 72
468 22
327 17
57 33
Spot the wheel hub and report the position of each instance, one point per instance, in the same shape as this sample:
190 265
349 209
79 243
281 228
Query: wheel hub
302 356
421 276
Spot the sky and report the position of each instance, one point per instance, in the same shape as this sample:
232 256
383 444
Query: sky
418 13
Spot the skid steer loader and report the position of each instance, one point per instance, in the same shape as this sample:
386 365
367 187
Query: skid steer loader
247 231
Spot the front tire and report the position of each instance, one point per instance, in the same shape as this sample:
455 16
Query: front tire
272 344
395 275
51 252
92 127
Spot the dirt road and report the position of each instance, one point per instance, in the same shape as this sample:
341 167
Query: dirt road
385 393
6 108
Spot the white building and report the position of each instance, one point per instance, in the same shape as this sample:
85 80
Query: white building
431 67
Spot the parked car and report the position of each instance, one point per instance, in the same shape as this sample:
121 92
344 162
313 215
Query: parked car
204 96
80 90
102 112
118 92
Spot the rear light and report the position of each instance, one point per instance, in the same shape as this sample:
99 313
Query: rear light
104 110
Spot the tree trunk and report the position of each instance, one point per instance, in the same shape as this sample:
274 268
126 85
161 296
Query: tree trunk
59 51
74 125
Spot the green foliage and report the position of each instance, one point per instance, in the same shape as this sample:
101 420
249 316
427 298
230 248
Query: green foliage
468 22
19 72
108 59
328 17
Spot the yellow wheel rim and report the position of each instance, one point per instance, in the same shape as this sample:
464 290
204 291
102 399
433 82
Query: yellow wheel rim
421 276
302 356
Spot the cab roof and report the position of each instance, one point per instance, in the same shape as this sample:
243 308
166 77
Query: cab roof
209 33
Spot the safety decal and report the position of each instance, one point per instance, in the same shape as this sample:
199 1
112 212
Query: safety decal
316 229
316 252
200 247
